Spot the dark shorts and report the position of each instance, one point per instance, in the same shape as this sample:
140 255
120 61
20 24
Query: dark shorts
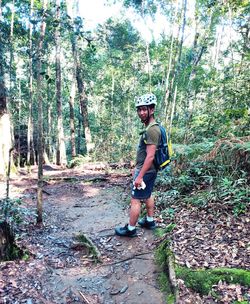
149 180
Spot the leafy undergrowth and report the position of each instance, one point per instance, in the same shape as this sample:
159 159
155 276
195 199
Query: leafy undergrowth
206 203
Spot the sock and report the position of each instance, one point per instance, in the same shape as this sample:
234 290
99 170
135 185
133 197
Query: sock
131 228
150 218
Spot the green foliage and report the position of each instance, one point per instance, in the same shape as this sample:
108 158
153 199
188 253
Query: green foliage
224 179
78 161
13 212
202 280
212 92
161 232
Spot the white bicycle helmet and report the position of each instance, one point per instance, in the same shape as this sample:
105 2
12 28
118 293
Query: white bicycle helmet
146 100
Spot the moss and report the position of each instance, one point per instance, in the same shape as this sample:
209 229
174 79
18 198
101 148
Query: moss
91 249
161 255
161 232
202 280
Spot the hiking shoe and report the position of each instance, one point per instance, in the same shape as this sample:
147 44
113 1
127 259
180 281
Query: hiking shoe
123 231
146 224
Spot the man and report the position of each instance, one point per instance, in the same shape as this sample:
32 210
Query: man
145 172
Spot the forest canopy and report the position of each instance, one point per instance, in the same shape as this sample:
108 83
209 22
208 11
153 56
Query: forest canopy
83 82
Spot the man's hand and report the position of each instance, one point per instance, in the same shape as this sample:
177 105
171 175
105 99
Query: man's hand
138 181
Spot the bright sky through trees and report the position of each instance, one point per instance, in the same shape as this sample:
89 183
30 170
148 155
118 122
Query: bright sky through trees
96 11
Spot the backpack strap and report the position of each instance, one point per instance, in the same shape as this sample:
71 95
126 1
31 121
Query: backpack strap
149 126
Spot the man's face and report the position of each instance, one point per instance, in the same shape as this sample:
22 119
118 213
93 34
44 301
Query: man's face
144 113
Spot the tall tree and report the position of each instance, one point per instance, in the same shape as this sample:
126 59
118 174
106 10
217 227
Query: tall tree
72 116
83 98
5 123
30 131
61 150
40 117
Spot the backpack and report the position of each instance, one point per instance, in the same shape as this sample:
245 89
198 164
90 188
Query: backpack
164 151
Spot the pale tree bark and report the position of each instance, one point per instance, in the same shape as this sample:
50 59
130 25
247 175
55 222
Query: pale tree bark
231 43
112 97
75 146
165 103
83 99
72 118
5 123
79 136
72 92
218 44
30 132
11 46
199 47
49 130
40 120
19 125
61 149
173 90
5 127
149 66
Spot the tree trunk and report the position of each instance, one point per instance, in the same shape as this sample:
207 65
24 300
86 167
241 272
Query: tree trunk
19 127
174 83
79 137
72 119
83 100
7 241
5 124
40 120
165 103
30 141
190 96
61 150
11 46
49 134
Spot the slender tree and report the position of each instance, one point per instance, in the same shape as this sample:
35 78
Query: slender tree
40 118
83 98
61 150
5 123
72 117
30 131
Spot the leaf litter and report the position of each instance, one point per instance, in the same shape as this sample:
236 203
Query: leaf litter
202 238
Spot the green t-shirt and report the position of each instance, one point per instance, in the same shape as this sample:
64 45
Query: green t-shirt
151 136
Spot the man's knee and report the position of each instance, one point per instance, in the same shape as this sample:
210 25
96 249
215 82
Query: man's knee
135 201
149 200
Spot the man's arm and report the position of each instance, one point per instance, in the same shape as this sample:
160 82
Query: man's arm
150 149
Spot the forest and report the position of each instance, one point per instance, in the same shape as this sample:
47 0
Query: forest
68 136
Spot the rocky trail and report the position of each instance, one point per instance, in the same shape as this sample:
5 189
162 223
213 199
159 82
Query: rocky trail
81 209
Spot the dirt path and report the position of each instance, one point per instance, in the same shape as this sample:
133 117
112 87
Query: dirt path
91 203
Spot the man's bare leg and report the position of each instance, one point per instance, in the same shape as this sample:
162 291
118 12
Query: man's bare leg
135 208
150 206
